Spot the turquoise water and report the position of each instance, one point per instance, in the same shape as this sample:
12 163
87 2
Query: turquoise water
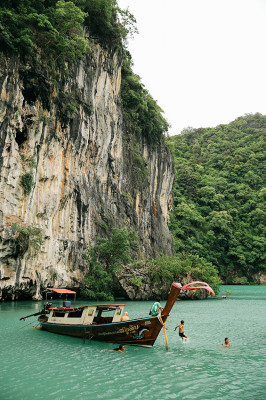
40 365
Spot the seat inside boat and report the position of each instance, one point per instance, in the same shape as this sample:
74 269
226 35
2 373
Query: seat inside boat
107 314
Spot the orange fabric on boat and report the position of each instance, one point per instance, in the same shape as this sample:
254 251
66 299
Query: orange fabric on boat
64 291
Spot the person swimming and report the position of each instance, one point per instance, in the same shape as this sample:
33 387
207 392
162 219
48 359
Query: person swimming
226 343
120 348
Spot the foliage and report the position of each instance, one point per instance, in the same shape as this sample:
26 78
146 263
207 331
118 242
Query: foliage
127 197
137 163
219 196
99 283
55 27
142 114
49 35
104 260
107 22
136 281
27 178
243 280
108 254
29 237
27 182
32 162
52 30
166 269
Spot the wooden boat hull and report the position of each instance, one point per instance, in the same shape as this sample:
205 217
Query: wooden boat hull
87 322
142 332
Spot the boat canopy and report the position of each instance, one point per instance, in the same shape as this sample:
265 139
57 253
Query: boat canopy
103 307
62 291
86 315
107 307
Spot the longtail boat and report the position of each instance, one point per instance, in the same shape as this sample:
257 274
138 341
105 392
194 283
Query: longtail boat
101 322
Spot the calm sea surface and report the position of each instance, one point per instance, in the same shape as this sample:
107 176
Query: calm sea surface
40 365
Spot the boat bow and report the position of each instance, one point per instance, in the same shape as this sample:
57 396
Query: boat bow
176 289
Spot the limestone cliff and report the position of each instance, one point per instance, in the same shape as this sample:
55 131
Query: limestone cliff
78 172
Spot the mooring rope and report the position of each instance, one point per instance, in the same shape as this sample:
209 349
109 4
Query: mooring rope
164 329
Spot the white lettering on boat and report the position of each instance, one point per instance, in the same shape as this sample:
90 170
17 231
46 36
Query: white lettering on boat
127 330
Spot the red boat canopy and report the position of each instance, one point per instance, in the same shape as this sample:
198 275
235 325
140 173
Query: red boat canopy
62 291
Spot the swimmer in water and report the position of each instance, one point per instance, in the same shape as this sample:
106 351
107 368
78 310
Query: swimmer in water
181 332
226 343
120 348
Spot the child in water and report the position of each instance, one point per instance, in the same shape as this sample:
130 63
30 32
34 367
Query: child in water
181 332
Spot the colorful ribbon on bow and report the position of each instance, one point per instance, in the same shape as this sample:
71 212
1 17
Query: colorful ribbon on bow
206 286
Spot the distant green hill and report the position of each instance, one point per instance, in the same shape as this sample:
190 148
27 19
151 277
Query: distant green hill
219 196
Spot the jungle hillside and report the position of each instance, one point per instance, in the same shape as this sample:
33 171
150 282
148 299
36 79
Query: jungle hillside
219 196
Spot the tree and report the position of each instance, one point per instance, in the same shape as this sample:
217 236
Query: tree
104 260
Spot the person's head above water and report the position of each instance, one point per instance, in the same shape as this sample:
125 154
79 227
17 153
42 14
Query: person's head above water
125 313
182 322
226 340
120 348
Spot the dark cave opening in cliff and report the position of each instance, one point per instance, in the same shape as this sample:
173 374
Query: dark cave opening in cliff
35 86
21 135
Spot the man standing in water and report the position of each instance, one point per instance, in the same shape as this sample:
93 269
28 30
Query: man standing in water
181 332
226 343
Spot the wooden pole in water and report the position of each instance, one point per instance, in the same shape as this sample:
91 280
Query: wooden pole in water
164 330
165 336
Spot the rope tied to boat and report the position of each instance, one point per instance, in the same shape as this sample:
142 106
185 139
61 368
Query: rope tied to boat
164 329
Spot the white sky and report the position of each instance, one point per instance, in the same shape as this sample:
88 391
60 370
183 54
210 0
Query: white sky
204 61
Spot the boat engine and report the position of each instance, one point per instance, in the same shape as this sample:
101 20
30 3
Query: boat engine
45 310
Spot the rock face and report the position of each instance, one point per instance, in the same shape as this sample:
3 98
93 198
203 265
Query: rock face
73 178
260 278
141 286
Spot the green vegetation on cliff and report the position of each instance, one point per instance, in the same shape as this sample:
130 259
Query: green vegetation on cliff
108 255
28 237
219 196
55 27
51 31
142 114
104 260
166 269
49 36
